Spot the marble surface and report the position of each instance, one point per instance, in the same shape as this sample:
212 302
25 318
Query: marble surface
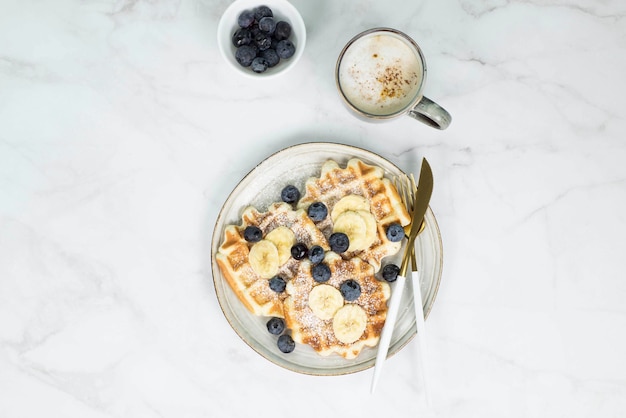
122 131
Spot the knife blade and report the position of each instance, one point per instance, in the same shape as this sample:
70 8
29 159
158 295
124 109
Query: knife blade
420 205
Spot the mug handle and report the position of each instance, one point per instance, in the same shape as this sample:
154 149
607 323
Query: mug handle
431 113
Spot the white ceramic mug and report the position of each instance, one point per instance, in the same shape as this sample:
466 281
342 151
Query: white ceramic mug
380 75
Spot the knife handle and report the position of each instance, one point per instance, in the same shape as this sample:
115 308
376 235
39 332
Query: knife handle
385 335
422 350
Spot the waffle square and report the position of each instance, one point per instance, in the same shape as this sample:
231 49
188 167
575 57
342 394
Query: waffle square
234 262
368 181
307 328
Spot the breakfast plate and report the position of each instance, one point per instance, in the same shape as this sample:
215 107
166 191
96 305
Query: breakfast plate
294 165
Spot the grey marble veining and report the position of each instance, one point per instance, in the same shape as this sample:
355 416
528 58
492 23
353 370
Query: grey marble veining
122 132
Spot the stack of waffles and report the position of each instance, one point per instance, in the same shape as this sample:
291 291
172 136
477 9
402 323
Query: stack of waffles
343 310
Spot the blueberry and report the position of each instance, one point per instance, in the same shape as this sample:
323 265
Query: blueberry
246 18
242 36
276 325
395 232
290 193
317 211
285 49
299 251
274 44
262 11
254 30
320 273
282 31
267 25
390 272
262 40
277 284
272 59
259 65
252 233
245 54
316 254
286 343
339 242
350 290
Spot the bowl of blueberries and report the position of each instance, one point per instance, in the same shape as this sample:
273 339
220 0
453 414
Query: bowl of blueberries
261 38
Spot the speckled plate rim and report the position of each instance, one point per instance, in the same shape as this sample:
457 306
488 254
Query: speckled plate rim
266 179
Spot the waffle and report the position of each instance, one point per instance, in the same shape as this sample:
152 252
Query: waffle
234 262
307 328
365 180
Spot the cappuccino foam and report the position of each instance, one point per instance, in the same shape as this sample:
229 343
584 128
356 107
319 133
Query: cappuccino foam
380 74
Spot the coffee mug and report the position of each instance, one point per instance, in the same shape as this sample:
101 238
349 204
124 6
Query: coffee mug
380 75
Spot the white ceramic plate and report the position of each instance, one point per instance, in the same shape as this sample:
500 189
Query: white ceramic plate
262 186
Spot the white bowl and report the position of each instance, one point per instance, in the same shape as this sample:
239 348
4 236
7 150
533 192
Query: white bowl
283 10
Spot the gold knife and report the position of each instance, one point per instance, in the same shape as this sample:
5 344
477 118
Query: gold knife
420 205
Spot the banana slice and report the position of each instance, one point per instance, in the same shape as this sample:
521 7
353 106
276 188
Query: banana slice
370 229
350 202
353 225
349 323
324 300
263 258
284 239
